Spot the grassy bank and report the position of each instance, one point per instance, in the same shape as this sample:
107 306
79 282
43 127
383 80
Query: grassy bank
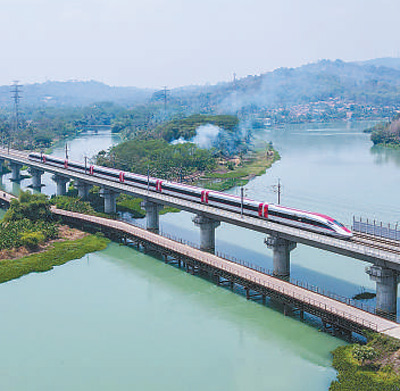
372 367
253 165
126 203
58 254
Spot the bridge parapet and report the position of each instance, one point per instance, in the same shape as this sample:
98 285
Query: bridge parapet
376 228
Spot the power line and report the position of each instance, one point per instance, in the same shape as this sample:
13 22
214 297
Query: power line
16 90
165 98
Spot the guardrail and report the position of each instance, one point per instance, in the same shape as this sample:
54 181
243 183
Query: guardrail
376 228
365 252
241 271
302 284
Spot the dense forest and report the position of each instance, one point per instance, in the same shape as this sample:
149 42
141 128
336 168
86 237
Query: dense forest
159 157
186 128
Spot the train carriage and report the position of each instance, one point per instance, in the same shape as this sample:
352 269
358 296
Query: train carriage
275 213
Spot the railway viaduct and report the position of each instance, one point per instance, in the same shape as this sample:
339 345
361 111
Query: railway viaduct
384 257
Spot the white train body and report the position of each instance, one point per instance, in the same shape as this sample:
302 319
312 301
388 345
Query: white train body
276 213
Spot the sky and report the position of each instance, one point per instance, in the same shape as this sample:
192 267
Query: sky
155 43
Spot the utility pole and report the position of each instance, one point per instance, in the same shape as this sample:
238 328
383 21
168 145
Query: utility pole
16 96
148 178
66 151
235 94
112 159
278 190
241 200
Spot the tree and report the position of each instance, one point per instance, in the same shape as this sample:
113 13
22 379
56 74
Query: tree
29 206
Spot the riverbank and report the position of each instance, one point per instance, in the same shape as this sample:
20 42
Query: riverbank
371 367
254 164
53 254
107 284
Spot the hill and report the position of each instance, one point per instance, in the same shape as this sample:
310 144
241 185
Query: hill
321 81
388 62
75 93
372 83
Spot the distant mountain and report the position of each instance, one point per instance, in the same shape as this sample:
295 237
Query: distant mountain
353 82
373 82
388 62
75 93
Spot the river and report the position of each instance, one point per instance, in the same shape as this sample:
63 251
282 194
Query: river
119 319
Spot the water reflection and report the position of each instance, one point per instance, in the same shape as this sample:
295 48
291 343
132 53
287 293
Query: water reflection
384 155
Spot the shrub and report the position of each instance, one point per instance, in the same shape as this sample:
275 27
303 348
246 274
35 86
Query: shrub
363 353
30 206
31 240
11 232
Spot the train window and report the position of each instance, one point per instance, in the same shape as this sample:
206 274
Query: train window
339 224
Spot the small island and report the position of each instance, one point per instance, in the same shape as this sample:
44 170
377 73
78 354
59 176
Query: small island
374 366
210 151
32 240
386 134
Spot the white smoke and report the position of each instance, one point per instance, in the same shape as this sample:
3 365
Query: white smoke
180 140
206 136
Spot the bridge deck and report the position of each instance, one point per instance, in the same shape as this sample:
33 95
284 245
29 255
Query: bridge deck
371 251
362 318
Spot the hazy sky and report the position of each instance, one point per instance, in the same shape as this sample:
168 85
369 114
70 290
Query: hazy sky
151 43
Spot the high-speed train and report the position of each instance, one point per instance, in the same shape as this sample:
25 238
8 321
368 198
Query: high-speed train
298 218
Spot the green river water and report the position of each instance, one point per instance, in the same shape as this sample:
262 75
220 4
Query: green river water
122 320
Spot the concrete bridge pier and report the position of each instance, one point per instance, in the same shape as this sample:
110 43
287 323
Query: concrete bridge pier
281 248
36 177
110 200
152 215
207 232
15 171
83 189
386 289
61 182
